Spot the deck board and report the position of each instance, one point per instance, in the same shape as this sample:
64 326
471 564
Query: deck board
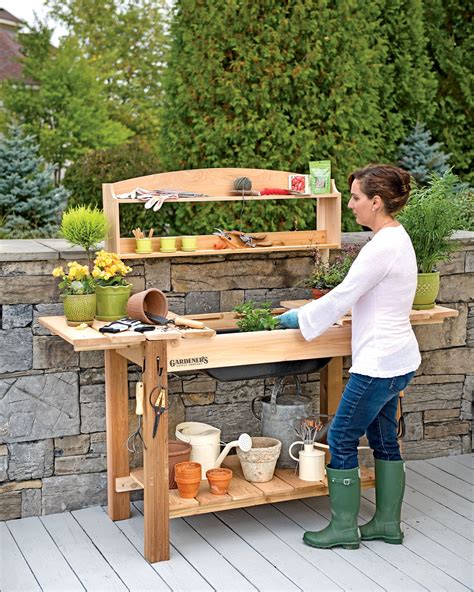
453 468
43 556
254 548
136 573
178 573
240 553
15 573
82 555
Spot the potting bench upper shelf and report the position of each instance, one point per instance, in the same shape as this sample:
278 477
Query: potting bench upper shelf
216 185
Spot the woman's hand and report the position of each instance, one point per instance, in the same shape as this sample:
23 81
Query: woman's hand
289 320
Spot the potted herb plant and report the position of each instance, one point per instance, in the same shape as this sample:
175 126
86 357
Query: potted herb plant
327 275
431 216
253 317
112 289
78 293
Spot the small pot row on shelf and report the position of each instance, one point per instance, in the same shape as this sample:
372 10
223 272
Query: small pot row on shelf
168 244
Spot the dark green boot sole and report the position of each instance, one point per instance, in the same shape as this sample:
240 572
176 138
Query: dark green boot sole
342 531
389 490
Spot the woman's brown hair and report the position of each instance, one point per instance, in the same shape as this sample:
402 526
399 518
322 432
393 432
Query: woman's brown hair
391 183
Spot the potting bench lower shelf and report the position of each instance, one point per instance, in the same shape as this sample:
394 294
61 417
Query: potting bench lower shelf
193 349
284 486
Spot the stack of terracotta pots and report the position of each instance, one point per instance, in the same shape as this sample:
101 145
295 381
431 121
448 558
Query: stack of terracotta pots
188 478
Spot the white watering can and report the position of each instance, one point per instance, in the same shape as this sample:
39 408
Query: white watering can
205 444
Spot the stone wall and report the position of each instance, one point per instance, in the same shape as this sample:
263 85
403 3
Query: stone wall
52 409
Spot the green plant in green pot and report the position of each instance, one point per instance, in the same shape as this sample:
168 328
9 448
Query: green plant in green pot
78 293
85 227
431 216
112 289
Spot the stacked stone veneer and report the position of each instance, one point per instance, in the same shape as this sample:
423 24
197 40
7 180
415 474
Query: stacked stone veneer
52 408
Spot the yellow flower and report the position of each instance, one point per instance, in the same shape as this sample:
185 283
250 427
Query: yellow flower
58 272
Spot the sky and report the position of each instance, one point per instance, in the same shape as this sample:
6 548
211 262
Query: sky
25 9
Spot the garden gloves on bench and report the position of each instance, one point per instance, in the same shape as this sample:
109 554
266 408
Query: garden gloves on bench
289 320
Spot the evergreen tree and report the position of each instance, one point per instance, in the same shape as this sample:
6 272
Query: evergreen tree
29 205
420 156
409 84
451 41
60 101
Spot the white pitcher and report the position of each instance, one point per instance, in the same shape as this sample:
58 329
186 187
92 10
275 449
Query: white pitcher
310 462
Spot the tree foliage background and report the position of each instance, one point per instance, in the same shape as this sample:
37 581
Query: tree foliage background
267 84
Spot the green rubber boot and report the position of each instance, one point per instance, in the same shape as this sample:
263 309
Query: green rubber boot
342 531
389 490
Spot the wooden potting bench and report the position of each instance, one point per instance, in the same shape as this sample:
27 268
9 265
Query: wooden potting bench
160 352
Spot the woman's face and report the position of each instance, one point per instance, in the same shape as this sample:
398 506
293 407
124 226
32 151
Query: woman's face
361 205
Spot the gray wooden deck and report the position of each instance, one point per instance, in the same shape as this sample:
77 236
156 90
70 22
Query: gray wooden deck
257 548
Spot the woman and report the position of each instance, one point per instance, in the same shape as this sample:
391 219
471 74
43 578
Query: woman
380 288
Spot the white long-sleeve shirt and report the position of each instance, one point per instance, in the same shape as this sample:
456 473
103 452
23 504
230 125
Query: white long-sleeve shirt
380 288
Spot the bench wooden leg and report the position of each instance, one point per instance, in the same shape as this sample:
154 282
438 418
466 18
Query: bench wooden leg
155 457
116 405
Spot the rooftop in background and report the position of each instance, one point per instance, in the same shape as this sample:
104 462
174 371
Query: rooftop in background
10 49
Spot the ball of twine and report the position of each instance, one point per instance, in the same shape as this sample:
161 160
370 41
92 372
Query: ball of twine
243 184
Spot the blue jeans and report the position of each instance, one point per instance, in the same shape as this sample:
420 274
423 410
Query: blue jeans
368 405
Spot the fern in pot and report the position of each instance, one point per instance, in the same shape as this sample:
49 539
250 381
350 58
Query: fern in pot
432 215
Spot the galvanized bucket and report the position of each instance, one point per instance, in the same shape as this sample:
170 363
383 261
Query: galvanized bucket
280 417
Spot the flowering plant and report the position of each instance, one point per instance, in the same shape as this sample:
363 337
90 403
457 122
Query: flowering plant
76 281
109 269
330 274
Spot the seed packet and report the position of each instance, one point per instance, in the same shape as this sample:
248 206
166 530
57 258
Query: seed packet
299 183
320 176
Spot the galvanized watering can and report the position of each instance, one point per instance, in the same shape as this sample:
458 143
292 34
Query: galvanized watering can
280 417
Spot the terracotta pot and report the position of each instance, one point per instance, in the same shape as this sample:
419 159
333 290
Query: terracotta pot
187 470
188 487
152 301
178 452
219 480
318 293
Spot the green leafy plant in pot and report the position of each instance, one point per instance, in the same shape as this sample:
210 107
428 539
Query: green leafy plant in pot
326 275
431 216
255 317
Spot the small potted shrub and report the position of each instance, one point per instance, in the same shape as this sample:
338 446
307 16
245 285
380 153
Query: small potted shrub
85 227
327 275
431 216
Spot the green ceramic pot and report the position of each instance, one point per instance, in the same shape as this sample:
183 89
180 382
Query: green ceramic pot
426 290
79 308
112 302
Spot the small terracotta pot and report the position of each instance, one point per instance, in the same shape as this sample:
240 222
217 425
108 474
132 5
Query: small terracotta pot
187 470
188 487
219 480
152 301
318 293
177 452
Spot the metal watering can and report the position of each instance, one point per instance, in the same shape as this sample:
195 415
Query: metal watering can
278 417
